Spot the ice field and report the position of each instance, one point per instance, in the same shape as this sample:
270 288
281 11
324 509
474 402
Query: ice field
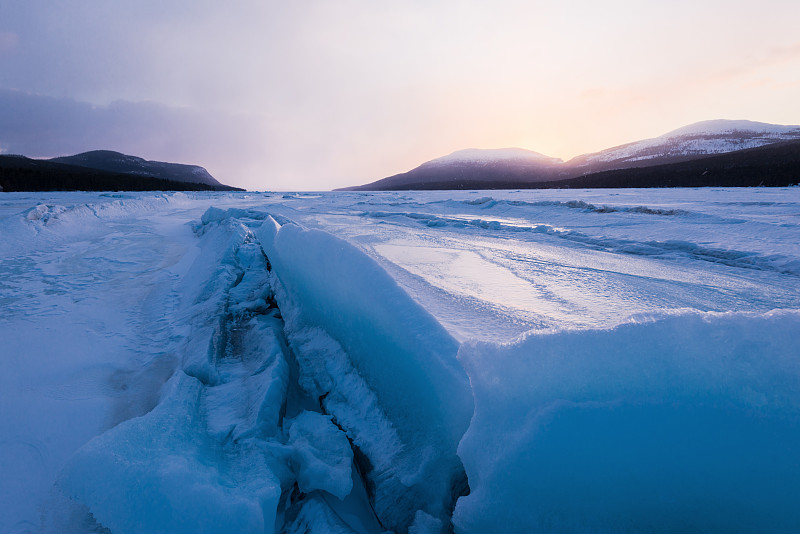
598 361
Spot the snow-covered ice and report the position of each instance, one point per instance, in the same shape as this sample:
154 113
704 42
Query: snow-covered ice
504 361
688 422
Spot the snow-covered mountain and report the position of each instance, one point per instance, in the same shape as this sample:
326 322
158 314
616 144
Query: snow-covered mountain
489 156
471 165
516 167
698 139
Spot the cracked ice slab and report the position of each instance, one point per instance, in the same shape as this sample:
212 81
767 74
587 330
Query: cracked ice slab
404 356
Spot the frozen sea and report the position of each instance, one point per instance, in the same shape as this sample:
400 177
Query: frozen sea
494 361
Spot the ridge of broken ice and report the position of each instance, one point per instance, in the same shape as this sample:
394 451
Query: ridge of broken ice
402 355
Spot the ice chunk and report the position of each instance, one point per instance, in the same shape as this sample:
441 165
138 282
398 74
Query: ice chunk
216 215
686 423
327 373
161 474
425 524
228 278
321 454
401 353
249 401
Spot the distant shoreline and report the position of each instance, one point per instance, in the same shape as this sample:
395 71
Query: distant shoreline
19 173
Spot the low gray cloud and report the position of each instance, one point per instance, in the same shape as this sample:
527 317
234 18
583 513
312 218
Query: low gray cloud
42 126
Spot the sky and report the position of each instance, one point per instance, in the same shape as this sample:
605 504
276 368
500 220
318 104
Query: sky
314 95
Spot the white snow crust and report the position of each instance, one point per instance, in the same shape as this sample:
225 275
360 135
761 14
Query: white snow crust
542 361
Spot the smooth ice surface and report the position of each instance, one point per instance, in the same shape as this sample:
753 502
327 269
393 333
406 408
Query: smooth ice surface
566 258
656 363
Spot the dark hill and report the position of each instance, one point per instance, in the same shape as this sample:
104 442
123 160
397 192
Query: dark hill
107 160
18 173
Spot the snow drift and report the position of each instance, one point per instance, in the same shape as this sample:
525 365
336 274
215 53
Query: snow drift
686 423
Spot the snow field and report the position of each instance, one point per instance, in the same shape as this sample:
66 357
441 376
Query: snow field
310 363
83 346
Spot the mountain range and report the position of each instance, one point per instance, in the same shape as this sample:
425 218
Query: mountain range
708 153
103 170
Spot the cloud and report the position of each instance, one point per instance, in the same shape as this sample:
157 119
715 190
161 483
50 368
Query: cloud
42 126
315 95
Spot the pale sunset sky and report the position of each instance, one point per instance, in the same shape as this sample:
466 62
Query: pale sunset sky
314 95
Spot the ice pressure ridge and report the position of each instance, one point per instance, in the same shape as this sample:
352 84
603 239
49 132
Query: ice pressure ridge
314 395
234 445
